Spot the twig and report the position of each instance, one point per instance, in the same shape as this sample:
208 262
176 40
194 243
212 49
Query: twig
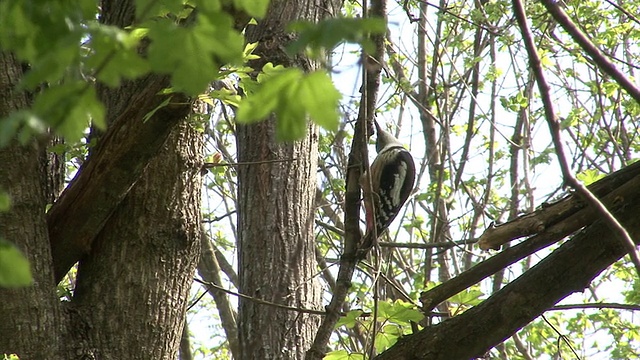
554 124
445 244
260 301
218 218
209 165
330 227
561 336
596 306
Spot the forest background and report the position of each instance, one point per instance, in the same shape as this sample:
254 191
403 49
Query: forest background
158 142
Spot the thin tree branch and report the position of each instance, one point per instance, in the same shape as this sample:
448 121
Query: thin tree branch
596 306
209 165
554 124
209 269
185 343
561 337
218 218
260 301
522 348
444 245
226 266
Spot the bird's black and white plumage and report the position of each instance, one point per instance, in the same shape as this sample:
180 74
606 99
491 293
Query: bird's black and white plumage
392 178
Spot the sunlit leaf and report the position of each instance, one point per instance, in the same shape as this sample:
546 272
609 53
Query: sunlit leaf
350 319
398 312
589 176
343 355
14 266
327 34
5 201
255 8
293 96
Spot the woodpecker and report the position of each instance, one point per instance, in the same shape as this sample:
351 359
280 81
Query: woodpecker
393 175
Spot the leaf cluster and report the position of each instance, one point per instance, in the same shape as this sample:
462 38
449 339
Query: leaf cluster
68 51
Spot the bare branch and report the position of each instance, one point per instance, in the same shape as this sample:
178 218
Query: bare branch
596 306
209 269
260 301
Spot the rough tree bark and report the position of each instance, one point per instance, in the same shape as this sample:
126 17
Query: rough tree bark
141 266
145 256
276 211
30 316
117 161
133 283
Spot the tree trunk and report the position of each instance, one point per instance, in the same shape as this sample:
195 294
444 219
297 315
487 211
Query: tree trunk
275 217
276 250
132 286
30 316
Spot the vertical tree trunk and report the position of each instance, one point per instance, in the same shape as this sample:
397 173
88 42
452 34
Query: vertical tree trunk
131 290
30 314
275 218
277 259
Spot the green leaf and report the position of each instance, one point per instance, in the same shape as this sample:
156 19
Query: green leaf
327 34
387 336
5 201
14 267
146 9
590 176
268 97
398 312
227 96
176 50
69 108
148 115
350 319
208 6
255 8
633 296
293 96
248 52
115 55
343 355
193 55
22 124
469 297
321 98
